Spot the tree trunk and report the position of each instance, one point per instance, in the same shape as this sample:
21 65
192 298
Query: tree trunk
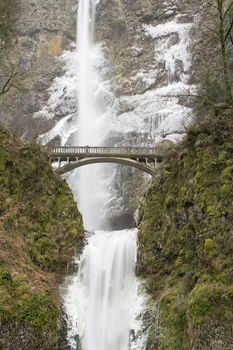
229 95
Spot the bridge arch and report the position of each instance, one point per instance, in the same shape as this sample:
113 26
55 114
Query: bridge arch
87 161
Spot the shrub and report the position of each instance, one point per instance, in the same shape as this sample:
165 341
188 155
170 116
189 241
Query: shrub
5 276
203 300
119 24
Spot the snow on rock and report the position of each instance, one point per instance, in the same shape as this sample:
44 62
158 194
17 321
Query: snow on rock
172 46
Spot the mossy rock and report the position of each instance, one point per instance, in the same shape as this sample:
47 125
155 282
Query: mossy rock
40 232
209 244
185 235
210 300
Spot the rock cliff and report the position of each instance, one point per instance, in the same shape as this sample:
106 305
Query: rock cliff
122 24
40 31
147 56
40 231
149 47
153 51
186 242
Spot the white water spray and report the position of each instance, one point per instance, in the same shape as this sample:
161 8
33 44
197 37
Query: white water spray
87 111
102 300
86 182
151 113
105 294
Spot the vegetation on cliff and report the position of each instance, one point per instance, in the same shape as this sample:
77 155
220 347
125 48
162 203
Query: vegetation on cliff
186 232
40 231
7 8
214 49
9 72
186 242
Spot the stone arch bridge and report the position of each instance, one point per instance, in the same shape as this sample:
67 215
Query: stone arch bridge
69 158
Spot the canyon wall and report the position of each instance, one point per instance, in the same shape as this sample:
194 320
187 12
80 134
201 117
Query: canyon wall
186 242
40 31
147 61
40 232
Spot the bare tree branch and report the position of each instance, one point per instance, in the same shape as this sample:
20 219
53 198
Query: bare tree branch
228 10
9 82
229 30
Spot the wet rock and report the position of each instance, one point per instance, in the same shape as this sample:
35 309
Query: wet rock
121 222
43 29
23 338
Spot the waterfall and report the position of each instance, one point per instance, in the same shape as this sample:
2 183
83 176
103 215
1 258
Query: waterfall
86 182
87 114
154 113
101 301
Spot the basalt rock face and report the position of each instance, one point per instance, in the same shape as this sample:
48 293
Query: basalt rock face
186 241
121 26
149 47
44 29
142 62
23 338
40 232
41 30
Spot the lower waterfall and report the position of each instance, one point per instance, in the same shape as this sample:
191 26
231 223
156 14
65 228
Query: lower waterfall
102 300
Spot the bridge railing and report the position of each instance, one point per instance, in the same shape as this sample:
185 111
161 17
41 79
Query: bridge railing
104 150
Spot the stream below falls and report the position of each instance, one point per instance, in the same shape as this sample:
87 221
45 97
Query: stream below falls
102 300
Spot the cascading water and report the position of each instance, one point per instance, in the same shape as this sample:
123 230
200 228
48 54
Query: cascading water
86 182
102 300
105 289
87 113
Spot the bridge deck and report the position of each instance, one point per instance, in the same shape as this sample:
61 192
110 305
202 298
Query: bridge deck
90 152
69 158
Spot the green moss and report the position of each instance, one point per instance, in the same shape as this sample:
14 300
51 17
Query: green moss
226 174
209 244
7 8
185 237
210 300
38 311
170 200
223 156
119 24
5 277
226 189
173 321
210 210
19 304
44 210
40 232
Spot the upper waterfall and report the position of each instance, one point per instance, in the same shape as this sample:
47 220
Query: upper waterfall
86 109
135 82
86 182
